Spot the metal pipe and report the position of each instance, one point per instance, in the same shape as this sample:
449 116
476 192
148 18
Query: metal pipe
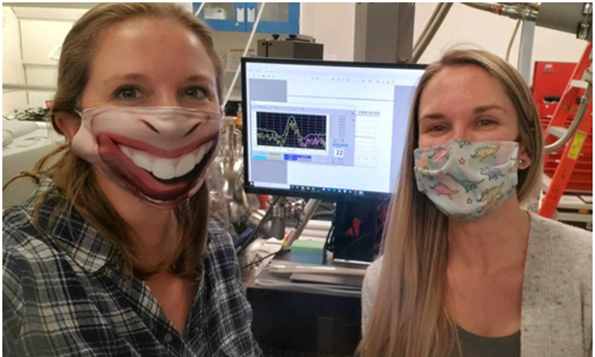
580 114
512 11
516 29
431 33
428 25
16 86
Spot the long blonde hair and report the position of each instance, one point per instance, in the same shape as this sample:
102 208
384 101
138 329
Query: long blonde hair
409 318
73 175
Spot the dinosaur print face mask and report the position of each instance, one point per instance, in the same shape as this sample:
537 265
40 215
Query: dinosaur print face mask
466 180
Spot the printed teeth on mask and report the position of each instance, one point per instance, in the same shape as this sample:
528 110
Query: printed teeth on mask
167 169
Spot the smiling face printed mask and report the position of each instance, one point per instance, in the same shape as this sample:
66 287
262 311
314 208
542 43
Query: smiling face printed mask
467 180
160 155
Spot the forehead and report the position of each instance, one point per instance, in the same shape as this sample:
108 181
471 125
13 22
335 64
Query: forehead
464 85
151 44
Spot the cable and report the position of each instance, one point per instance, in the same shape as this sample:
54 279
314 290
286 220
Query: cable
252 235
516 29
199 9
428 25
431 33
326 245
580 116
237 74
258 261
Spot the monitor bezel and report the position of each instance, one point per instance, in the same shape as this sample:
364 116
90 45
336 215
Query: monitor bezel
307 194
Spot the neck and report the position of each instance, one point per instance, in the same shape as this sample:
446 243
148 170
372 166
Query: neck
492 243
156 229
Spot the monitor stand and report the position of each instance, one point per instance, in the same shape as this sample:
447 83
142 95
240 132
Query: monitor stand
279 218
357 230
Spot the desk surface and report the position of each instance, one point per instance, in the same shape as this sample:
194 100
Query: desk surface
281 282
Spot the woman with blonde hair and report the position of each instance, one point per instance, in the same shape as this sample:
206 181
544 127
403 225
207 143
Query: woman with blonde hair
465 270
116 253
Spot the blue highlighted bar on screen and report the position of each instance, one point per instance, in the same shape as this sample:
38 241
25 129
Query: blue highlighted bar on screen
290 157
259 157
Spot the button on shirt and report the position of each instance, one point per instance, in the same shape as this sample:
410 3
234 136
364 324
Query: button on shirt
65 294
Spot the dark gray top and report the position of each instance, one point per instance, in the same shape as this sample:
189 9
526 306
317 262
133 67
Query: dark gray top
479 346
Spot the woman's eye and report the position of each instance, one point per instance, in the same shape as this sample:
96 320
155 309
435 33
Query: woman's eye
437 128
195 92
486 122
128 93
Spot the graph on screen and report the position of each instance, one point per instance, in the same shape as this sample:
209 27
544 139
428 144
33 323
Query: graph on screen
303 131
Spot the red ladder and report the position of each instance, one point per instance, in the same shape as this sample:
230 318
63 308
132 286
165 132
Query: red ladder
573 147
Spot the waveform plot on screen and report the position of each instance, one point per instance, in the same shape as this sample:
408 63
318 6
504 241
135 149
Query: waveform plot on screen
304 131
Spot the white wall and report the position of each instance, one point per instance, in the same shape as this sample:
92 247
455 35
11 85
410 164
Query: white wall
39 38
27 51
12 69
332 24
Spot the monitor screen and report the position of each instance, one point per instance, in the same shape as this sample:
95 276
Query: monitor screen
324 129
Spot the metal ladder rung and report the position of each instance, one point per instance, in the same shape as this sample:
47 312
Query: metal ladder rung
577 83
558 131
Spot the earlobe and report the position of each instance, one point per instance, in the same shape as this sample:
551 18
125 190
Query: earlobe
68 124
524 161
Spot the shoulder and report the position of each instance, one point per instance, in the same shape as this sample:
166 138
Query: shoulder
221 256
218 238
369 289
561 249
567 241
552 229
27 259
21 240
17 227
371 281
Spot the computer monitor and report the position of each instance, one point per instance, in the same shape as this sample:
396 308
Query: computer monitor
325 129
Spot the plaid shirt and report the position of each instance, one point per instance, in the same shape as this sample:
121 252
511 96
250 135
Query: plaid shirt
65 295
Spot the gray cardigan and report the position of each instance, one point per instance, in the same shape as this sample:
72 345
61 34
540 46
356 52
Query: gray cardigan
557 309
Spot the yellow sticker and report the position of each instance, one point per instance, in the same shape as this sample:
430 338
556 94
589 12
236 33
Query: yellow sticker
577 144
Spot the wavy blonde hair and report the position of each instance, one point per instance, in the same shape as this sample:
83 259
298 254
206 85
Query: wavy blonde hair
73 175
409 317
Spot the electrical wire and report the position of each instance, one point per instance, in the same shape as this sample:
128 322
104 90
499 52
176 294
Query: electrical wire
516 29
579 117
327 243
239 69
199 9
258 261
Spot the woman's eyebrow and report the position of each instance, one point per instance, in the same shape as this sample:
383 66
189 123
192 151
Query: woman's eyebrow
485 108
199 78
433 116
127 76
